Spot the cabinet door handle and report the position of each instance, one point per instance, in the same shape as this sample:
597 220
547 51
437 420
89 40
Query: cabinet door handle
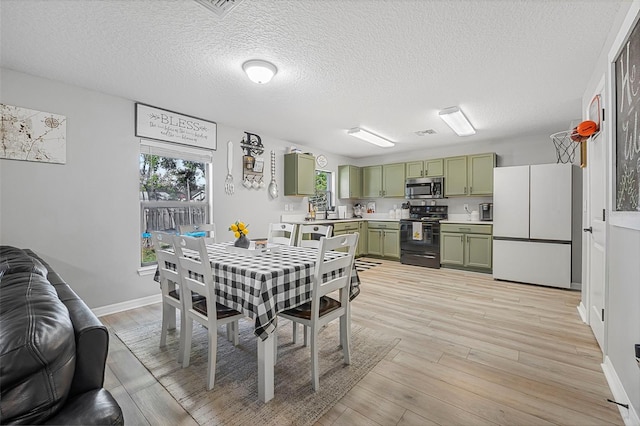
462 238
470 189
465 189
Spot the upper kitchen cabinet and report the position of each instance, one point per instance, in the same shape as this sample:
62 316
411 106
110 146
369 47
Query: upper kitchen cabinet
383 181
349 182
469 175
299 174
426 168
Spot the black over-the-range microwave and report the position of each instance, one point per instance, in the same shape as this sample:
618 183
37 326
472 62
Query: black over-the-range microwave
424 187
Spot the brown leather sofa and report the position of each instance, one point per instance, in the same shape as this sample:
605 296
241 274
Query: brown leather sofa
53 349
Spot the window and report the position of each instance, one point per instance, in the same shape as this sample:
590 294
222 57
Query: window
174 190
323 198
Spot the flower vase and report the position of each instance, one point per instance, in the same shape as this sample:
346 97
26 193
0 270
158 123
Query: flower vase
242 242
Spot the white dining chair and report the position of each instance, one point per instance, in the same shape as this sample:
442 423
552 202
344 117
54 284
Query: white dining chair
208 228
309 234
168 270
197 276
282 233
323 309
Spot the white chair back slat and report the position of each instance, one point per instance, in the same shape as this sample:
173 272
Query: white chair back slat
282 233
309 234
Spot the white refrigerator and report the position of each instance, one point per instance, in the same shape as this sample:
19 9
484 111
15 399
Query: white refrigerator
536 224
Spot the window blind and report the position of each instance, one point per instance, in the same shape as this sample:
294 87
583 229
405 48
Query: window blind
172 150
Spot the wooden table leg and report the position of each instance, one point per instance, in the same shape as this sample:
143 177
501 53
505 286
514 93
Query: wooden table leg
265 368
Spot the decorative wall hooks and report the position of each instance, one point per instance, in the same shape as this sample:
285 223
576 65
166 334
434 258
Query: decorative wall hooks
252 164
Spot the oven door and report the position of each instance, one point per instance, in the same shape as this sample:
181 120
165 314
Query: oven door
424 251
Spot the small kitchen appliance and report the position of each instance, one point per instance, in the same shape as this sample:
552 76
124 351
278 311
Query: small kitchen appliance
420 236
424 188
357 210
486 211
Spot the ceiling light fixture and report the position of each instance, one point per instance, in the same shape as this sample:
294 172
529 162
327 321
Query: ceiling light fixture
370 137
259 71
455 119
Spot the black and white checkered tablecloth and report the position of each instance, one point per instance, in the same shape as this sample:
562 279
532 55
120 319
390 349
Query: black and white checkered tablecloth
261 286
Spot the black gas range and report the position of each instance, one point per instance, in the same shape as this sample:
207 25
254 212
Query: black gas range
420 236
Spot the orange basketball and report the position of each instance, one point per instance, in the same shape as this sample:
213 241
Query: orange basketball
576 137
587 128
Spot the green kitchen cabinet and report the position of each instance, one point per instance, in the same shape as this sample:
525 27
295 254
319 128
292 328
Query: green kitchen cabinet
299 174
469 175
349 182
466 246
480 174
426 168
434 167
393 180
383 239
362 240
341 228
386 180
372 182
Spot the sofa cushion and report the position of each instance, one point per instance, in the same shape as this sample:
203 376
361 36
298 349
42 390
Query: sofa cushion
37 341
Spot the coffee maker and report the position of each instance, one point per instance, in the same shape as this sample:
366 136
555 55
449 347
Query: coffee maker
486 211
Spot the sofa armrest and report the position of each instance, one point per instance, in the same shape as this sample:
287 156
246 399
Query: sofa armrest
96 407
92 337
92 345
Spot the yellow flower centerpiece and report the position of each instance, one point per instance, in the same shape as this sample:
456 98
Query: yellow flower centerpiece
240 231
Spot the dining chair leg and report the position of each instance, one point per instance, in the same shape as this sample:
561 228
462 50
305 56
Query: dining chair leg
167 310
315 380
182 336
294 330
211 359
345 338
306 335
188 329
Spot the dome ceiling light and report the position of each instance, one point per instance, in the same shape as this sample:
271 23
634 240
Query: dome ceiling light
259 71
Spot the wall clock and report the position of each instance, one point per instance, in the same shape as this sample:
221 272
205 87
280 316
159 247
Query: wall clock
321 160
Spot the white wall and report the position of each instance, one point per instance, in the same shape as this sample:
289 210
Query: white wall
622 300
83 217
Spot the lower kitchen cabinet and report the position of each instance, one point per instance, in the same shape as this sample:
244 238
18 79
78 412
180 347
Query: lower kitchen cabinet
466 246
342 228
362 239
383 239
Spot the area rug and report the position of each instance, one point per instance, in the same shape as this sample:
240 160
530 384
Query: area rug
363 265
234 398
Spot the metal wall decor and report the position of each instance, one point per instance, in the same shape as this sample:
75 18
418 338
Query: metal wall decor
252 163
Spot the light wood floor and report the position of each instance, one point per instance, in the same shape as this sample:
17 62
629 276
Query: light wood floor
474 351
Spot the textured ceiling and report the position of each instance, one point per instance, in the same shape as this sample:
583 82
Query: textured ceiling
514 67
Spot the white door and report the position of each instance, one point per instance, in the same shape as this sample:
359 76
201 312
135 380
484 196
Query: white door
595 205
511 202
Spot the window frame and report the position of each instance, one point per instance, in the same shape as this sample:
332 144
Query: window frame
179 152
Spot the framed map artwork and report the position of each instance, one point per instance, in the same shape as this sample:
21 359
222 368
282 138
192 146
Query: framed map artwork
30 135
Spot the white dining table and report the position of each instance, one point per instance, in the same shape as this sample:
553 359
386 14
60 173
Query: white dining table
262 285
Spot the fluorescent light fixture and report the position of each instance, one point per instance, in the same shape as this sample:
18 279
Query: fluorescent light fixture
370 137
259 71
455 119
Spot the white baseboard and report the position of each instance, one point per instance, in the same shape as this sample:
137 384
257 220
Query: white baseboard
125 306
583 313
629 416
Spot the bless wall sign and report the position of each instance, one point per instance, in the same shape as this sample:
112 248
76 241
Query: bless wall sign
170 126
